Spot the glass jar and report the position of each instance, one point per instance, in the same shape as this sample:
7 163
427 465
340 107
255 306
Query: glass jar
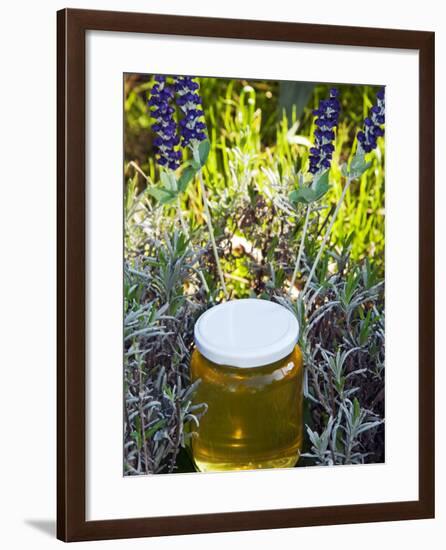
250 367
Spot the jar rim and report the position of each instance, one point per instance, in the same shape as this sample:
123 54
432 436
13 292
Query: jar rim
248 332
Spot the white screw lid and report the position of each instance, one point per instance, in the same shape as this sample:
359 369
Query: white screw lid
246 333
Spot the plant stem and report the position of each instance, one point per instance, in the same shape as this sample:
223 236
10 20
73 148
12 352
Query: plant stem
301 249
326 236
140 171
143 424
211 231
143 192
186 232
182 221
348 452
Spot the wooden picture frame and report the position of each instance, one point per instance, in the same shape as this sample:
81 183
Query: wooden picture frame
72 25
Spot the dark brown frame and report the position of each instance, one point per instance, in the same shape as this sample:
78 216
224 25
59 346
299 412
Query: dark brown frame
71 27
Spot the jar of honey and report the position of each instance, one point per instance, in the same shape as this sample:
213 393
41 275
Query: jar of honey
250 367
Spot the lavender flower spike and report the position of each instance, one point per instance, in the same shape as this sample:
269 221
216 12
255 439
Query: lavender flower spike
328 115
192 126
372 124
161 98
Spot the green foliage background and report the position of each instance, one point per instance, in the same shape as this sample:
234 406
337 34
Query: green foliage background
245 120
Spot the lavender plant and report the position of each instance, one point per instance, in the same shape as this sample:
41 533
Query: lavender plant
358 166
165 144
191 132
319 164
343 415
158 326
373 124
328 115
192 125
262 205
193 135
342 339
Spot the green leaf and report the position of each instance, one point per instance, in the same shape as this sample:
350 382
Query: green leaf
317 190
356 409
169 181
320 190
320 185
153 429
358 164
163 196
186 177
320 178
137 437
203 151
305 195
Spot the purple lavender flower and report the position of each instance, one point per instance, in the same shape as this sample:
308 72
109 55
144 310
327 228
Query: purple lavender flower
328 115
166 141
192 126
368 136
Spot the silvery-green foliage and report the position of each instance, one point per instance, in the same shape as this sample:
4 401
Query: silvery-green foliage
342 338
341 335
158 323
160 419
356 423
323 446
339 442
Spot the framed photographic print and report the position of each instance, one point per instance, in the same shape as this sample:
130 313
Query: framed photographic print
245 275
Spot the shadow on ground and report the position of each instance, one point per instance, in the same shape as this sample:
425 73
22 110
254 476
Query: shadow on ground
47 526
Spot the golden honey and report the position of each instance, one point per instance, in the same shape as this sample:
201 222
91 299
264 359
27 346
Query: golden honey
254 417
